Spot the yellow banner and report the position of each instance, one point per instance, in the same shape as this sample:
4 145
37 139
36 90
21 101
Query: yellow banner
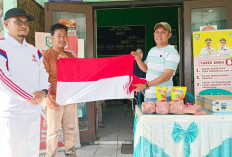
213 39
212 53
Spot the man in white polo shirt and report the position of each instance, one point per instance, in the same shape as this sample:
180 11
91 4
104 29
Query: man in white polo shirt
224 50
207 50
23 86
160 64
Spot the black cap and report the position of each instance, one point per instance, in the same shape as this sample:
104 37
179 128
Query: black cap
223 40
208 40
18 12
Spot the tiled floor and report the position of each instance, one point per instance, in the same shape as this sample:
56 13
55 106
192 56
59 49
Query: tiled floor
118 123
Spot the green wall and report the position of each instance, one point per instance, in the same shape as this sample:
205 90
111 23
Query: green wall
140 16
8 4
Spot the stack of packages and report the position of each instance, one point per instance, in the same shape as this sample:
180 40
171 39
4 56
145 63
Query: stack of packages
176 106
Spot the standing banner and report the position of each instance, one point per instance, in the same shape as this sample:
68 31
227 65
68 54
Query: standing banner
212 54
43 134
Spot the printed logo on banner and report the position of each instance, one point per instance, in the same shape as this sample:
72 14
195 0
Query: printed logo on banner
49 41
229 61
197 36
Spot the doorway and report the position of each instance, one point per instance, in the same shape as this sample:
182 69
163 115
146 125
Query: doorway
118 32
121 30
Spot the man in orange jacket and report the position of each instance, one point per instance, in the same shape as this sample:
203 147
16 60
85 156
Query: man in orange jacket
59 114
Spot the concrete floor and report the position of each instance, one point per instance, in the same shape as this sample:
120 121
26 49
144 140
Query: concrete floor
118 130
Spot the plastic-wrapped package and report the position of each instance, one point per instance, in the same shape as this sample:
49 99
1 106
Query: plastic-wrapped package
161 94
189 104
178 93
192 109
177 107
201 113
162 107
148 107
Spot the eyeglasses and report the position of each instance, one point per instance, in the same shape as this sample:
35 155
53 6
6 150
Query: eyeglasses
19 22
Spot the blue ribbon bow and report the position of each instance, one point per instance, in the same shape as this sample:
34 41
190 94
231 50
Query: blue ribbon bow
188 135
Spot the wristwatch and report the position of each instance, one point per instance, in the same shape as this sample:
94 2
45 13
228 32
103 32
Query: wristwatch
147 86
46 91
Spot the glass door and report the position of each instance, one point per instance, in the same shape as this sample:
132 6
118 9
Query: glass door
208 19
202 15
80 20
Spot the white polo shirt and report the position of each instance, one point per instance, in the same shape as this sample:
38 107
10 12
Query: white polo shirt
225 50
157 60
21 74
206 51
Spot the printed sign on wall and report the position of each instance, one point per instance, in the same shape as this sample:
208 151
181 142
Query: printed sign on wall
212 53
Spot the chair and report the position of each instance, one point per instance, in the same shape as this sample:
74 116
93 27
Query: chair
190 97
214 91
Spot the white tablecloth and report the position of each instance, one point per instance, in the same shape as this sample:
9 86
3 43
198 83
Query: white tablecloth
213 130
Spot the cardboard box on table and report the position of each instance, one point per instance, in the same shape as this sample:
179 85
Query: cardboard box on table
216 103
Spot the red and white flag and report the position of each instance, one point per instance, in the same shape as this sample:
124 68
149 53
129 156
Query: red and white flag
93 79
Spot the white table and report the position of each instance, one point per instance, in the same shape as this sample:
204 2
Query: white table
153 135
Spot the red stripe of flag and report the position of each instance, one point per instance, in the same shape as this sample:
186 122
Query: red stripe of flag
94 69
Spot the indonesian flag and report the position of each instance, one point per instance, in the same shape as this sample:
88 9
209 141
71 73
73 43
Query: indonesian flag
93 79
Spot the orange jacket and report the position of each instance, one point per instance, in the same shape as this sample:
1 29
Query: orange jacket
50 57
